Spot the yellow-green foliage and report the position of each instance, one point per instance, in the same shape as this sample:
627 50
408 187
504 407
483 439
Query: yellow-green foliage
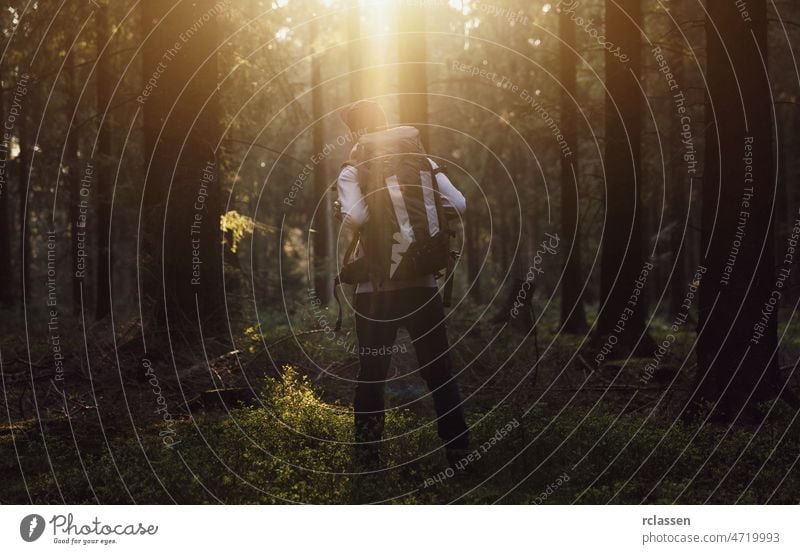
296 448
238 225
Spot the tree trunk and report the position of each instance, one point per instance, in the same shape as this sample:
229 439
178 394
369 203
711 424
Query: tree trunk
573 317
182 197
412 75
103 183
786 208
737 329
472 250
23 166
354 51
677 193
73 180
6 224
623 267
6 279
320 208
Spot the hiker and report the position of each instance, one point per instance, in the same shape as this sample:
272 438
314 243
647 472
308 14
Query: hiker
397 200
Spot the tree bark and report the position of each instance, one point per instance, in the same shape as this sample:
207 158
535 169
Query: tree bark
181 236
412 74
737 329
623 267
573 316
786 208
103 184
73 174
677 194
354 51
472 250
23 167
320 207
6 223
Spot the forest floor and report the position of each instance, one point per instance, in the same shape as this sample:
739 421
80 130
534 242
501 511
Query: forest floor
547 427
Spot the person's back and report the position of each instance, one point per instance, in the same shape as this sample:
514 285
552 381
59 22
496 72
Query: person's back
397 200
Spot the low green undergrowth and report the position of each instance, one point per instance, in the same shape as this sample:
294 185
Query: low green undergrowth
296 448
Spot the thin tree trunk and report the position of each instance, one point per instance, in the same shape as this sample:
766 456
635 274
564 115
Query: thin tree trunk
320 209
471 246
103 184
412 75
785 207
354 51
6 275
678 205
23 166
6 278
73 180
573 316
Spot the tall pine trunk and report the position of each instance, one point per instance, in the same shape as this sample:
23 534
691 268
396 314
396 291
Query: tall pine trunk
6 223
573 317
472 251
25 194
355 44
73 180
786 208
181 238
320 209
624 270
737 330
678 191
103 185
412 75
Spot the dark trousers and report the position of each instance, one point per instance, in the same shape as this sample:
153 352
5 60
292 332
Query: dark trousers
420 311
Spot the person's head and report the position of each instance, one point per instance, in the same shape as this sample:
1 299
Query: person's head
364 116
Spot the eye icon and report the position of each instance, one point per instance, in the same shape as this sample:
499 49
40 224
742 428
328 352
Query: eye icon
31 527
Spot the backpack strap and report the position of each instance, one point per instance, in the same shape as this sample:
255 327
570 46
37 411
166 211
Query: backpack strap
444 227
441 169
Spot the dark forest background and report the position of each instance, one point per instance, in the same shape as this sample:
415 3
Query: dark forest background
624 301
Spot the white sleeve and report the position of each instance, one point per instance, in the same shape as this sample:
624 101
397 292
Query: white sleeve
451 196
354 208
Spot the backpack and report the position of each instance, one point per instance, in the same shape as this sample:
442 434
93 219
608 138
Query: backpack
407 234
